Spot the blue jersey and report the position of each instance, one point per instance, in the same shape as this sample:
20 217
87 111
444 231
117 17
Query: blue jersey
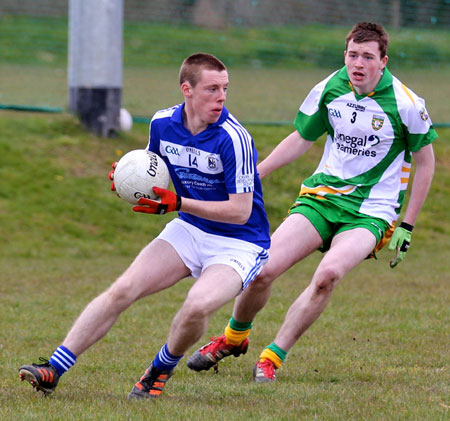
210 165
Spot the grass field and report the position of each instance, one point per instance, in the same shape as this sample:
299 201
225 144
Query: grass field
271 68
380 351
254 95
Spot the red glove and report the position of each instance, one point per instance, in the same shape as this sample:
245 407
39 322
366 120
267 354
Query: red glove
111 176
170 202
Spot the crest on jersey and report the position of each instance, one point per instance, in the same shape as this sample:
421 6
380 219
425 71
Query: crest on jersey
212 162
423 114
377 122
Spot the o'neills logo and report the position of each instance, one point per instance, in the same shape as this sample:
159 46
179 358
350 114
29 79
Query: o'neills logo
153 165
357 146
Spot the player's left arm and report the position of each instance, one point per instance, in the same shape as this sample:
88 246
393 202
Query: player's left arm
424 159
235 210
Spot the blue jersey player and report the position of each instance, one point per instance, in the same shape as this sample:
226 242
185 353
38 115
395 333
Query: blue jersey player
221 236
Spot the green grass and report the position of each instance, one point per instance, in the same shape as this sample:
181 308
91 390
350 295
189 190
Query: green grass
254 94
28 40
271 68
380 350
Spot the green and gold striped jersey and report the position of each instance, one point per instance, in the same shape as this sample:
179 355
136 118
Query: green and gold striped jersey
367 156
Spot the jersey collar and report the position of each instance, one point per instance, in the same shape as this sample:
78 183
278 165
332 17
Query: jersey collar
385 82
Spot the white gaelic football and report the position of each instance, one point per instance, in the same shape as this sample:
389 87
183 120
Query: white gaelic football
125 120
137 172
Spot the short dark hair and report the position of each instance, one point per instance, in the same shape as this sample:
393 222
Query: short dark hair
194 64
367 31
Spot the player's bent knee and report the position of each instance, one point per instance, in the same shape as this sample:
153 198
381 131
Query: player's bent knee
326 279
121 295
263 280
194 311
197 307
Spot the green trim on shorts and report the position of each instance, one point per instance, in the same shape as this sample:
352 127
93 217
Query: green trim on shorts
330 219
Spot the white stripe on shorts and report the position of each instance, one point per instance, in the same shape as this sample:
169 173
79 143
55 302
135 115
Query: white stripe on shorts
261 260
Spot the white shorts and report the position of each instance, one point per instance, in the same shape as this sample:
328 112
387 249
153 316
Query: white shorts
198 250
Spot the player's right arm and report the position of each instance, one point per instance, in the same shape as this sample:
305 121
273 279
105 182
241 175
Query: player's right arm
236 210
288 150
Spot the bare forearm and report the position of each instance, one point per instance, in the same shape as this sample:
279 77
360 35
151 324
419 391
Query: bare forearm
237 210
287 151
421 183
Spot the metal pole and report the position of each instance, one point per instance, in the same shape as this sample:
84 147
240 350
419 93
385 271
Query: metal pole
95 63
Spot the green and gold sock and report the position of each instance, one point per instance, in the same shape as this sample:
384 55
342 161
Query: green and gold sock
236 332
273 353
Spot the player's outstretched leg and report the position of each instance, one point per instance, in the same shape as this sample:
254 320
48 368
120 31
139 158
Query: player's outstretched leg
42 377
151 384
210 354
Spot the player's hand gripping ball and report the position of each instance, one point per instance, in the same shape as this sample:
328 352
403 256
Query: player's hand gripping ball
136 173
168 202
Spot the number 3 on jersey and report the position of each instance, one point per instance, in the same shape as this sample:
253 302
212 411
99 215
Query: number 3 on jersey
353 117
193 161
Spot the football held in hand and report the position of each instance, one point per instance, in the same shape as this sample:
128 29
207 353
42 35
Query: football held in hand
137 172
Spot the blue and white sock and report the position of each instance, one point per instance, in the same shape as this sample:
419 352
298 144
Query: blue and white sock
62 359
164 360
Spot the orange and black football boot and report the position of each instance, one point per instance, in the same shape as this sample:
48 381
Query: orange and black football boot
42 377
151 384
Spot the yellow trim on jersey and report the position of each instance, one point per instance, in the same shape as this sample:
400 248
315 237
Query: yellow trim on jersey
405 174
408 93
353 89
323 190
